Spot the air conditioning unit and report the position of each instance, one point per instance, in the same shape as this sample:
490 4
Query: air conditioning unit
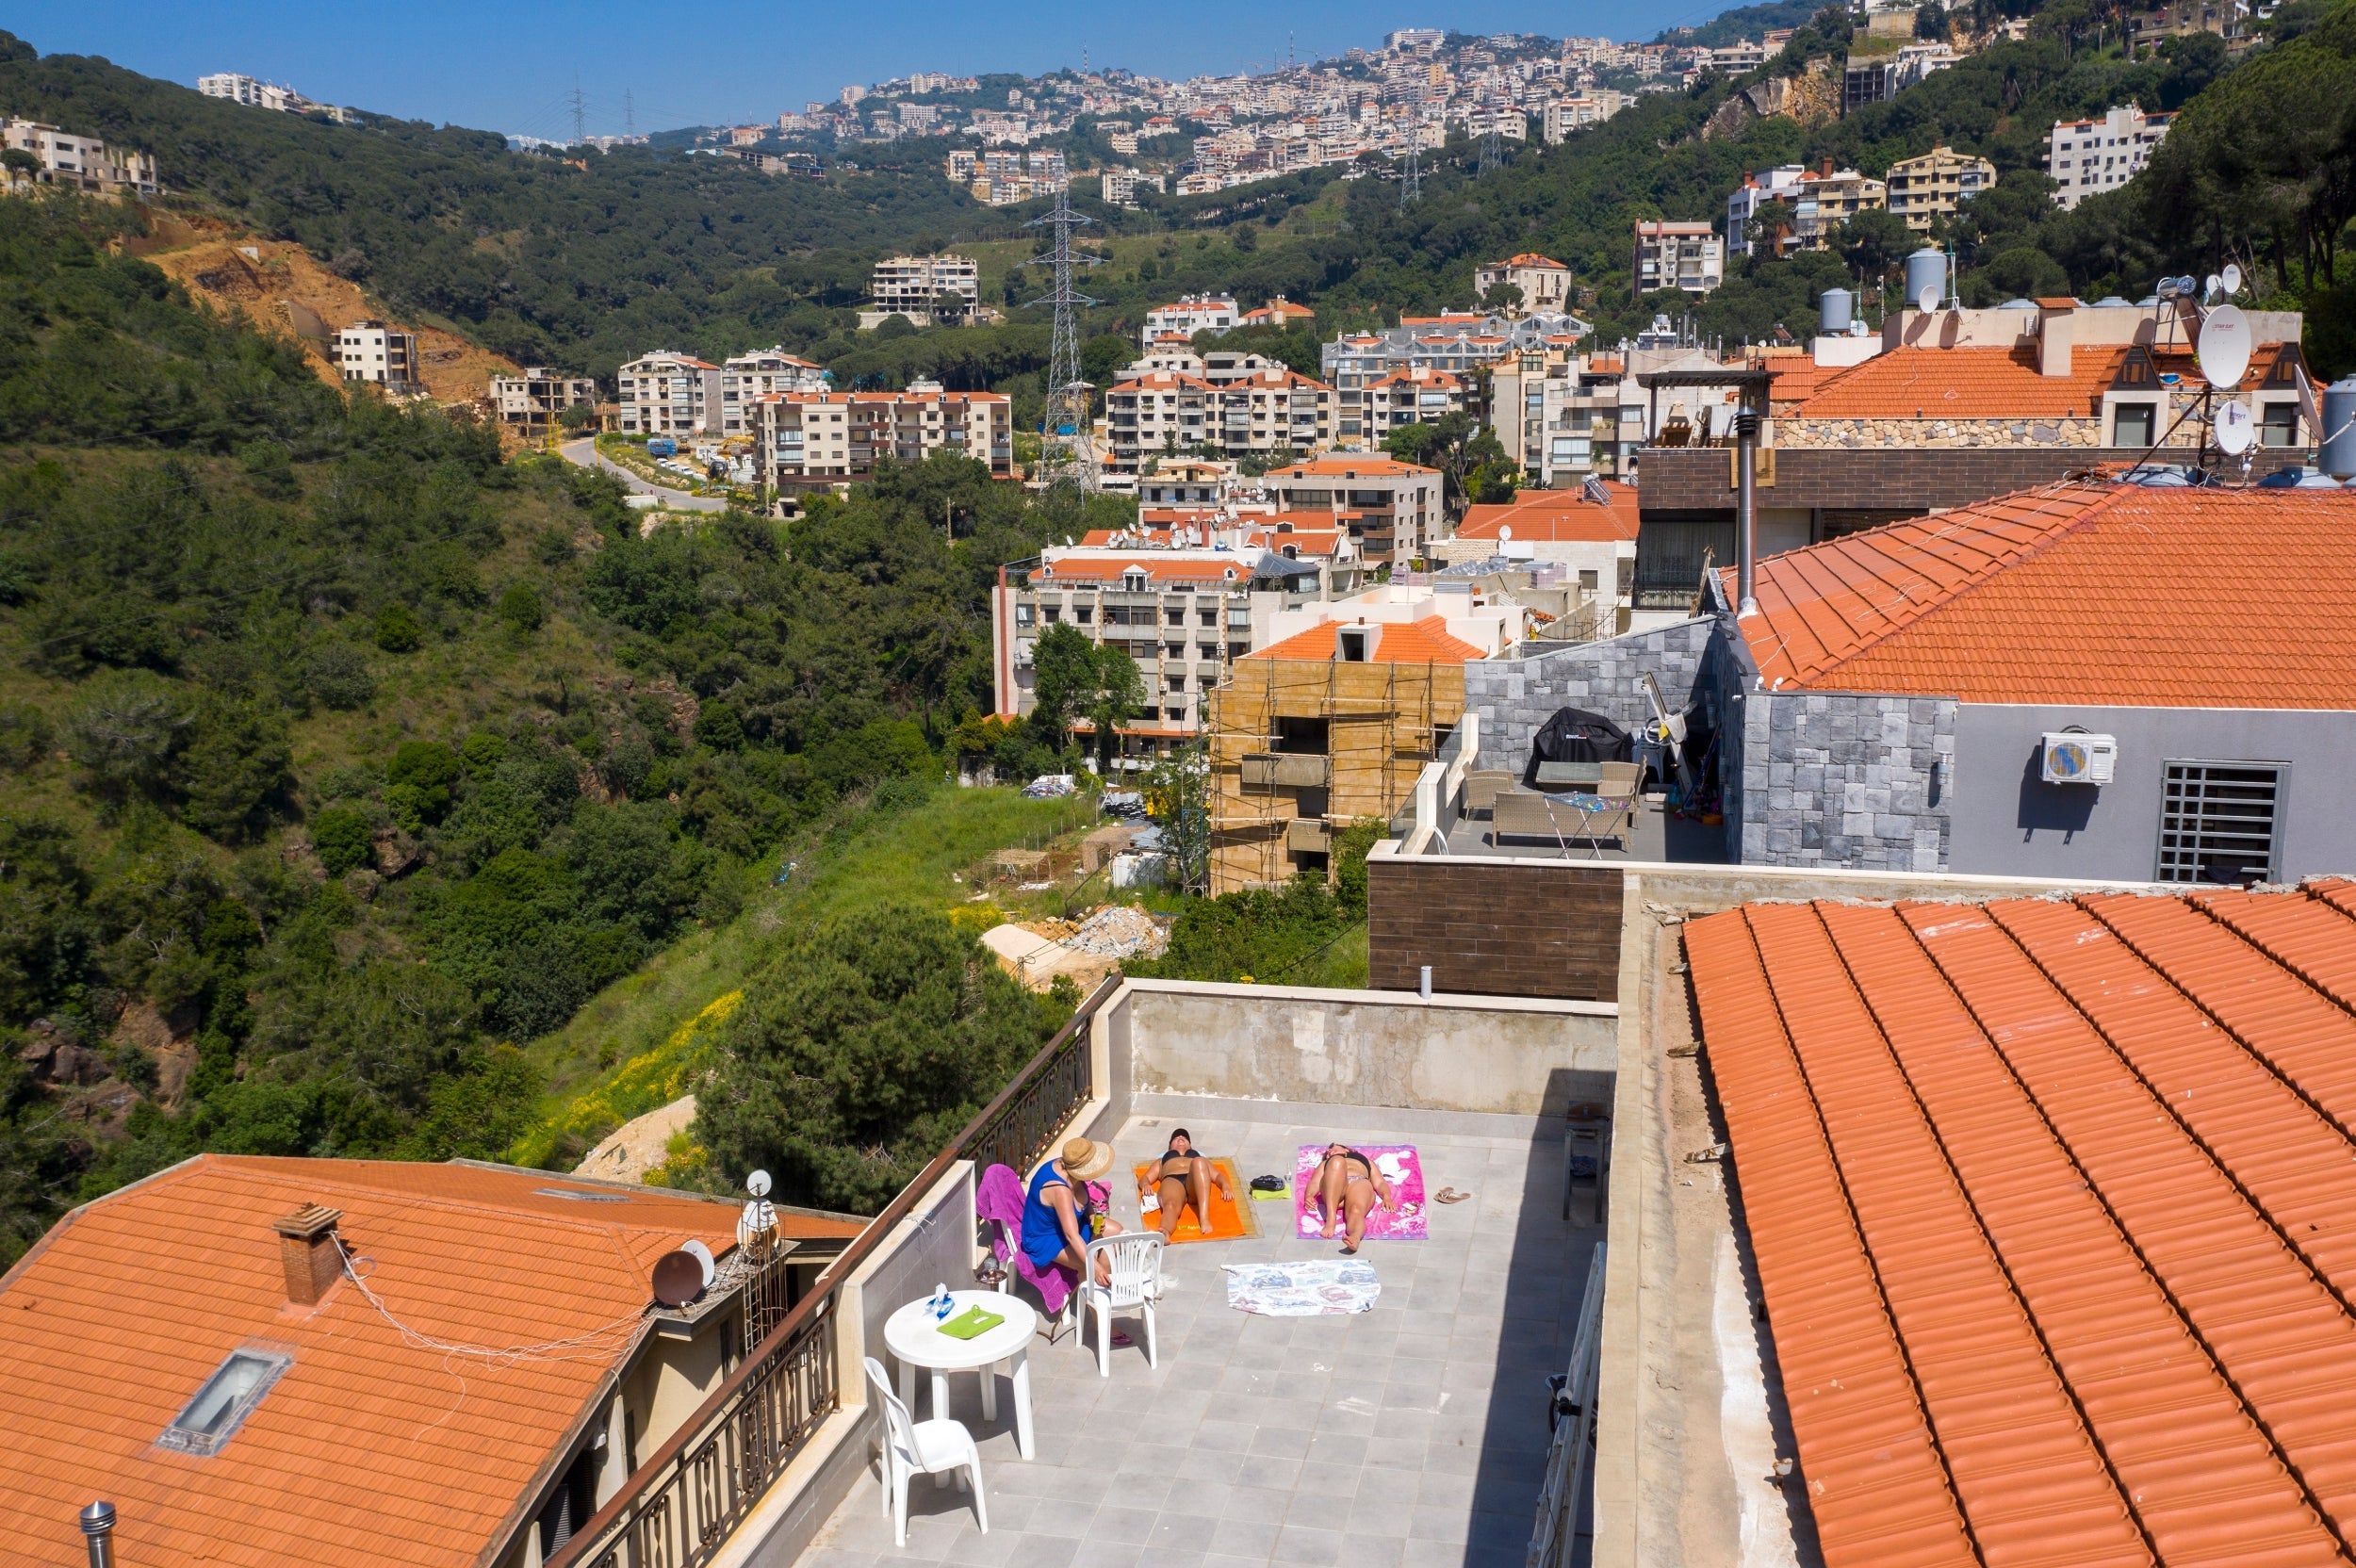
2075 756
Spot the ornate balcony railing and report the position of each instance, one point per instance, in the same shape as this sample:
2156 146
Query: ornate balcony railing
678 1509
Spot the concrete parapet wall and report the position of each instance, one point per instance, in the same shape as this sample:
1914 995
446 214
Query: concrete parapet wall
1508 1056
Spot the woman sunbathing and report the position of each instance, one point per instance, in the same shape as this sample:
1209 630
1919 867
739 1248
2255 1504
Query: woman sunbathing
1347 1184
1183 1176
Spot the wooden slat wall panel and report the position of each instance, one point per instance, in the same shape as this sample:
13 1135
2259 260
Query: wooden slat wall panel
1539 929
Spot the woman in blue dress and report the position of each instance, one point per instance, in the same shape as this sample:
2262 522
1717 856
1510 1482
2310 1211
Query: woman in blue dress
1053 1235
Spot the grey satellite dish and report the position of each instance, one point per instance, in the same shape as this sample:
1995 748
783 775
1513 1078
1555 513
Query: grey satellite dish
2231 278
702 1255
2209 289
679 1278
1505 532
2224 351
758 1184
2236 429
1927 301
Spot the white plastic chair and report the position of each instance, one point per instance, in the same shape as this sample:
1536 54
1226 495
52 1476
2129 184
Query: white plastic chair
927 1447
1136 1267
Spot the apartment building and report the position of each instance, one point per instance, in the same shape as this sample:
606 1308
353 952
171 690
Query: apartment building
1391 509
923 289
668 393
75 162
1279 314
1757 190
805 440
237 87
1936 184
2088 156
1828 199
1687 256
1544 282
1877 81
535 400
1409 397
755 375
1192 314
1458 342
380 355
1564 115
1564 417
1263 409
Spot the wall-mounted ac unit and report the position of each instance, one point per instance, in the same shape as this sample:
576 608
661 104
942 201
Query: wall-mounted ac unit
2075 756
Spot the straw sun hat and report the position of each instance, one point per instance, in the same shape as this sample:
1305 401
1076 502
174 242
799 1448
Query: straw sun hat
1086 1159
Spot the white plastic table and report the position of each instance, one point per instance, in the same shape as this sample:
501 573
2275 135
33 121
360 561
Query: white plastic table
914 1336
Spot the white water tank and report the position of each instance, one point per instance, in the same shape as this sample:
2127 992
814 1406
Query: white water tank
1834 311
2338 454
1925 269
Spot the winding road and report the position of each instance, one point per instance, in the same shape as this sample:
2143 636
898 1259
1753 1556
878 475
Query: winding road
583 453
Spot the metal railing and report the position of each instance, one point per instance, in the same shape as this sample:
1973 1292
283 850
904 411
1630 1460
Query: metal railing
676 1510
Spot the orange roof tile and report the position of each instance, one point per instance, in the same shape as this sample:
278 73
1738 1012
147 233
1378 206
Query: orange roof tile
1557 517
2076 594
372 1448
1423 642
1157 569
2054 1218
1962 384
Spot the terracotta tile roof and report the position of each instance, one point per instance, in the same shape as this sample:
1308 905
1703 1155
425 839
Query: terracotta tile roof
1363 467
1798 380
1963 384
1157 568
1558 516
2055 1216
1423 642
2074 594
370 1449
1532 258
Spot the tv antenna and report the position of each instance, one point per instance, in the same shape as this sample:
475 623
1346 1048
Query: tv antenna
1067 454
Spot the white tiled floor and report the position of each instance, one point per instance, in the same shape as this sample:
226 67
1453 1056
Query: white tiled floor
1412 1436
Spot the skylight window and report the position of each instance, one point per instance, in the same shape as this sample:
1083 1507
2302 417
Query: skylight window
226 1399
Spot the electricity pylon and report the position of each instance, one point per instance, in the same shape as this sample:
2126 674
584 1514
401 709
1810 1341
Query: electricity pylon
1067 454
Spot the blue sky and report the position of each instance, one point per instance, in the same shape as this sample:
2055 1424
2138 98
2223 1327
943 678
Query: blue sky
508 67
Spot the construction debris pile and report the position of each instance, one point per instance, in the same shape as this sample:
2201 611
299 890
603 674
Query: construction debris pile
1120 931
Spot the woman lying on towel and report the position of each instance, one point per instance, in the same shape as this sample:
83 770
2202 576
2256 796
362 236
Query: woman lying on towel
1181 1176
1347 1184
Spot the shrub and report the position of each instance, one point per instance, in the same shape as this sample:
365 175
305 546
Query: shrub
125 733
338 675
717 726
418 782
397 628
25 736
235 770
520 607
341 837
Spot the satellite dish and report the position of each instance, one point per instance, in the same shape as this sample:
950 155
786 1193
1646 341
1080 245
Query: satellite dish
1505 532
679 1278
2225 345
2231 278
702 1255
1927 301
758 1184
2210 288
2236 429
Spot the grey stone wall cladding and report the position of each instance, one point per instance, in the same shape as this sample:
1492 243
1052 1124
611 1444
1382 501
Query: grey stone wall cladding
1515 696
1837 778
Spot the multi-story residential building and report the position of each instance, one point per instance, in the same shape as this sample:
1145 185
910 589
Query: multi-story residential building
1279 314
1757 188
1564 115
1459 342
1877 81
1118 188
1828 199
1544 282
1564 418
666 393
1934 184
535 400
2230 19
75 162
940 290
2088 156
1687 256
1268 409
808 440
1388 507
1409 397
1192 314
960 166
240 89
381 356
758 374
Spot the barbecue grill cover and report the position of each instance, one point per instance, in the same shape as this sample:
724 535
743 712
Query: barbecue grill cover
1575 735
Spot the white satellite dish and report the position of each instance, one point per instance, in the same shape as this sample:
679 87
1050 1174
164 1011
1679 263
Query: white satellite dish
758 1184
2231 278
2225 347
702 1255
2209 289
1505 532
1927 301
2236 429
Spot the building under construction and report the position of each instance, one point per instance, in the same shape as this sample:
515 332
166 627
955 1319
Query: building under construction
1323 730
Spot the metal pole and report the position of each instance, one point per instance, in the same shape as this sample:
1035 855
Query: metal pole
98 1528
1746 510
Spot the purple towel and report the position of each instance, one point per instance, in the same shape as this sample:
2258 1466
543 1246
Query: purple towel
998 1199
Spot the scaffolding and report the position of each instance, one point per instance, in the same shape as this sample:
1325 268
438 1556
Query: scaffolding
1359 735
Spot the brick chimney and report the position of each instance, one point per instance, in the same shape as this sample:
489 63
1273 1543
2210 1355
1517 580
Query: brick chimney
2057 328
308 1252
1824 169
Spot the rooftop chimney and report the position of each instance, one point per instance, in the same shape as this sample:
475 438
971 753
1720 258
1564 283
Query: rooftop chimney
308 1251
2055 330
98 1530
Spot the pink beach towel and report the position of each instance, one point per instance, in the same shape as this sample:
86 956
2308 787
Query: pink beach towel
1397 1161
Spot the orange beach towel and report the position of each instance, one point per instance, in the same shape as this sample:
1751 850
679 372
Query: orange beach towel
1231 1217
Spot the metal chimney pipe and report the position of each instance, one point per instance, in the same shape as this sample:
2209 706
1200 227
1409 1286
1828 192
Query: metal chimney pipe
98 1530
1746 510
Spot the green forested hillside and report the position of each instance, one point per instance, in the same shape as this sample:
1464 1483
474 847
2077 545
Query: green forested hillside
343 758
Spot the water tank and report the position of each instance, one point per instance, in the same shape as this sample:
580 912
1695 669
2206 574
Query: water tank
1925 269
2338 455
1834 308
